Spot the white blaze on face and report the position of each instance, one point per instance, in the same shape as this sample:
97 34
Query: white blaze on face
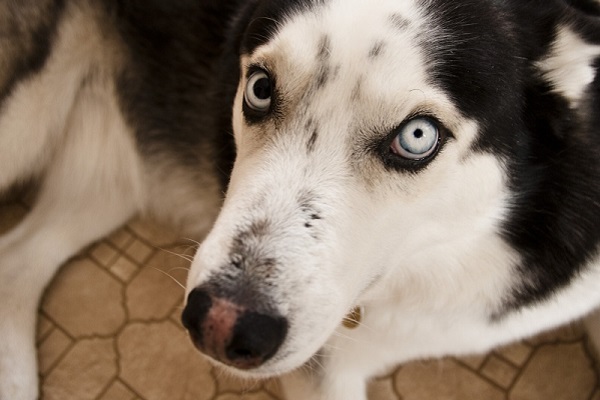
334 218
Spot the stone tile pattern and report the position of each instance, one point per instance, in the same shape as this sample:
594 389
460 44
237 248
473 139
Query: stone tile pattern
109 330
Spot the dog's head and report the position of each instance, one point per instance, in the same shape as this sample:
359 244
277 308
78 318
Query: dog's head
383 152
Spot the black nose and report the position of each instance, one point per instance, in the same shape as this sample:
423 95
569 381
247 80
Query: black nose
194 313
230 332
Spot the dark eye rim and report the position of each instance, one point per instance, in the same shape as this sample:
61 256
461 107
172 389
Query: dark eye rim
397 162
253 115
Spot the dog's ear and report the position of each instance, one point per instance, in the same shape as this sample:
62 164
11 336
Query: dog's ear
565 85
555 209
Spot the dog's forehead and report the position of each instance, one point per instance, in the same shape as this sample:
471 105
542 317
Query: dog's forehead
350 30
462 47
367 56
270 16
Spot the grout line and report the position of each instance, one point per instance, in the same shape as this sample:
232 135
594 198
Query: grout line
58 360
592 354
124 383
459 361
107 387
506 360
522 369
483 377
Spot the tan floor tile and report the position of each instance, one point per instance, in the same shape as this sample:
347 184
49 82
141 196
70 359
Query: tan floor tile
176 315
124 269
139 251
475 362
83 373
517 353
118 391
558 372
228 383
51 349
121 238
85 300
44 327
158 362
499 371
382 389
442 381
596 395
157 277
152 232
273 386
246 396
104 254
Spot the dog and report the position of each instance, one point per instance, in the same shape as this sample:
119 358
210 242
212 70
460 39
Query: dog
404 178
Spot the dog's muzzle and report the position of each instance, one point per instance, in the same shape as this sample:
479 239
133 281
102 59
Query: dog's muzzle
231 333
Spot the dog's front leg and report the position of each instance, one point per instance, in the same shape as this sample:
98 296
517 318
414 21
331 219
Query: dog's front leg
91 188
29 257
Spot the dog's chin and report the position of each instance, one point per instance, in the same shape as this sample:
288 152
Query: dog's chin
268 370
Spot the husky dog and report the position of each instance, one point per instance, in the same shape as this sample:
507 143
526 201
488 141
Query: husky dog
429 169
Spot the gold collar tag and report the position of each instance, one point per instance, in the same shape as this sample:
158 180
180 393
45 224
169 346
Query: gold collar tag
352 320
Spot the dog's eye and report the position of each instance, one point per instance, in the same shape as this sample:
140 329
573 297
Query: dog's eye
258 92
417 139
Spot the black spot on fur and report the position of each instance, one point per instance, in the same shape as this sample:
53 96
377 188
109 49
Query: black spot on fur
376 50
399 22
322 77
324 52
324 70
357 90
312 214
312 141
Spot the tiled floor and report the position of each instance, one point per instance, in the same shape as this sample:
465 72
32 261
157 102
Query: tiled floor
109 330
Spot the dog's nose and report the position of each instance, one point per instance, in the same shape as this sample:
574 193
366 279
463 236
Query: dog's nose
231 333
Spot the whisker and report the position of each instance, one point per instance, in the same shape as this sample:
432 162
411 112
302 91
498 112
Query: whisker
197 243
344 336
174 280
185 257
180 269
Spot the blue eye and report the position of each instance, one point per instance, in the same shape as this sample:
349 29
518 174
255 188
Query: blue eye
417 139
258 92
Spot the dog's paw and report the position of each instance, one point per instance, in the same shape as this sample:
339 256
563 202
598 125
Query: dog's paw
18 357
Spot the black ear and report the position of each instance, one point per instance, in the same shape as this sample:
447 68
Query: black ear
554 220
569 64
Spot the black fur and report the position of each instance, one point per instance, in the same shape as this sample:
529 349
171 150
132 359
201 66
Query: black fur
192 72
